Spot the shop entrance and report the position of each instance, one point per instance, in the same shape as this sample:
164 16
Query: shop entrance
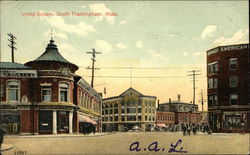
62 122
45 122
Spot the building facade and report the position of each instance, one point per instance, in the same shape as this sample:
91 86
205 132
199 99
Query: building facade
130 109
184 113
228 70
164 119
40 97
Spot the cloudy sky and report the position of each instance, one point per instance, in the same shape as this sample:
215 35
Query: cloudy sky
170 36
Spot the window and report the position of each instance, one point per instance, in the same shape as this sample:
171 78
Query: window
131 118
233 99
212 83
233 81
1 90
116 118
212 100
46 93
139 118
139 110
123 118
13 91
213 67
123 110
64 90
233 63
131 110
111 111
116 111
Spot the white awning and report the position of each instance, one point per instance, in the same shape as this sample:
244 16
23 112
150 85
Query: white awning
161 125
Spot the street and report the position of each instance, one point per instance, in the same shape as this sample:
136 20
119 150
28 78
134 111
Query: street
130 143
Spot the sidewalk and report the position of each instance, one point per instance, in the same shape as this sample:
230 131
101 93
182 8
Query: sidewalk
6 147
58 135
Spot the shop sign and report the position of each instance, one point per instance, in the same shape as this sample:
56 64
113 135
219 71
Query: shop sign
19 73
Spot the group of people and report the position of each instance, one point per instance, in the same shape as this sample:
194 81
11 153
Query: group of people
187 129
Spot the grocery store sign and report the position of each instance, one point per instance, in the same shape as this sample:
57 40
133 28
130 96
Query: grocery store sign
18 73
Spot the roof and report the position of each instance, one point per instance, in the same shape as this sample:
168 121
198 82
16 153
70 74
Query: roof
13 65
52 54
133 90
129 90
176 102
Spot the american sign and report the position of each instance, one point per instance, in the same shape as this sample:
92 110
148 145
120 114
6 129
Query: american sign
19 73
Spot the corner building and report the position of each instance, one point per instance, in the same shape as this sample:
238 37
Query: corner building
40 97
130 109
228 75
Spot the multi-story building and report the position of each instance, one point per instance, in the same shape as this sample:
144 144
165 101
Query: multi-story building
228 75
130 109
43 96
184 113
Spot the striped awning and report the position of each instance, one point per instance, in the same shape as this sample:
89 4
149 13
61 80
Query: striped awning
83 118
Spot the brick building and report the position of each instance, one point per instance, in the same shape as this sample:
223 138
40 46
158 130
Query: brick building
45 96
184 113
228 70
164 119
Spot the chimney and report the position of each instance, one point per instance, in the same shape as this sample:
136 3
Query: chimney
169 100
179 97
158 103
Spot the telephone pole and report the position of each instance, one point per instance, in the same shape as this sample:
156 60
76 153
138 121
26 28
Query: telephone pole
93 65
193 74
12 45
202 101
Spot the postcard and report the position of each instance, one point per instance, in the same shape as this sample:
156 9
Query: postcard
124 77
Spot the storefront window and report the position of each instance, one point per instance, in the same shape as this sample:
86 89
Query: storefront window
13 91
234 121
46 93
64 90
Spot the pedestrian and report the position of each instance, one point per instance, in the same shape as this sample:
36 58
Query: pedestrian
184 130
189 130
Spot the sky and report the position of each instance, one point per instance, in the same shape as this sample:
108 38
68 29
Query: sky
160 40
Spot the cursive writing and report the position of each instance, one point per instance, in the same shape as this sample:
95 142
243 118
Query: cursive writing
154 146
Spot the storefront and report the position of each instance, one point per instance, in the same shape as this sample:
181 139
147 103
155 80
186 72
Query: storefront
10 120
234 121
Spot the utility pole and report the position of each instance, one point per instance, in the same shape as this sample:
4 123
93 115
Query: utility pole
202 101
193 74
12 45
93 65
131 78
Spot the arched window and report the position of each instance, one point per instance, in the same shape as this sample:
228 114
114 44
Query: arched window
13 93
64 92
